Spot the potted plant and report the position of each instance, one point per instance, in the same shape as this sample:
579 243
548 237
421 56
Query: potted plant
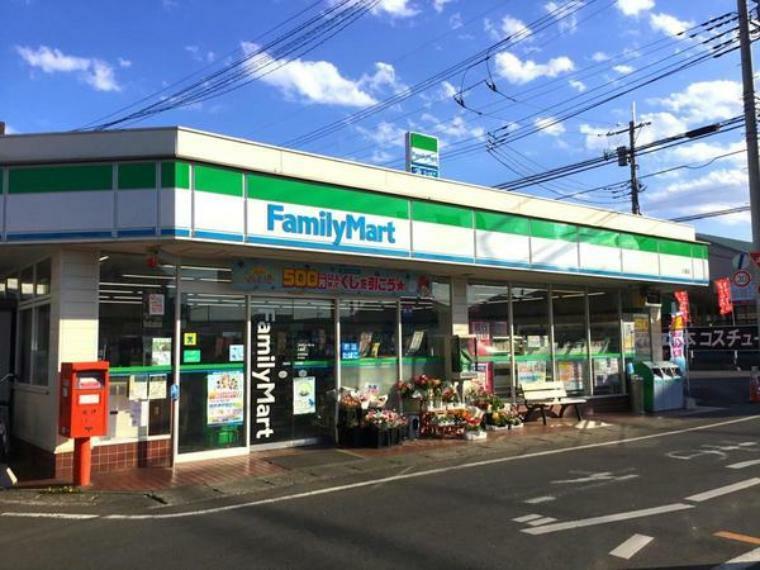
349 420
472 431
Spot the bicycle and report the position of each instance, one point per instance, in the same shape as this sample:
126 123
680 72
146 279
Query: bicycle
5 436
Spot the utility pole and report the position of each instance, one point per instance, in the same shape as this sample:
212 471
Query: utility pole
627 156
635 208
750 124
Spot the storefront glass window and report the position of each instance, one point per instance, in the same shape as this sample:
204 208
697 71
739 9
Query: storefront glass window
369 359
136 330
293 369
424 323
41 348
212 372
24 364
488 314
570 342
27 283
42 278
531 325
606 354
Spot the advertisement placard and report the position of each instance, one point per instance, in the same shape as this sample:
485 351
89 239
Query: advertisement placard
225 401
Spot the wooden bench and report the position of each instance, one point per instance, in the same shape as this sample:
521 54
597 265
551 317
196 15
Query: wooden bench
540 395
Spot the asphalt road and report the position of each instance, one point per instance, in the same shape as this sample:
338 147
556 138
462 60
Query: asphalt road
462 518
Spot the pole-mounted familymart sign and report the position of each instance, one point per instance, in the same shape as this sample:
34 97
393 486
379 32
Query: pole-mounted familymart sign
422 155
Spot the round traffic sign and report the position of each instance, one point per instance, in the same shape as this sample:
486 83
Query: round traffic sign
742 278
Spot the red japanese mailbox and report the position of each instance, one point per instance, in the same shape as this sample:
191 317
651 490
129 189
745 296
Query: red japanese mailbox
83 410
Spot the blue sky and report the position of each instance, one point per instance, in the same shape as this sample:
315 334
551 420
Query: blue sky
67 64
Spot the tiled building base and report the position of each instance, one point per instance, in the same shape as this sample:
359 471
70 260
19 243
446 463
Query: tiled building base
31 462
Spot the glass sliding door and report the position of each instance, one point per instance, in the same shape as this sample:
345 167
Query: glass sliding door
212 372
368 345
530 306
570 339
606 346
488 315
292 369
424 324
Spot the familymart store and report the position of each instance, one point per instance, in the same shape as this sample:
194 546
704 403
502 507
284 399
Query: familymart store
233 287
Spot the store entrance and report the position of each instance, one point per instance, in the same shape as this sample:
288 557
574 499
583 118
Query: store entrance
292 369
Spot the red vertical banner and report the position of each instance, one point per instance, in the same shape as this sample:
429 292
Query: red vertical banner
723 289
683 305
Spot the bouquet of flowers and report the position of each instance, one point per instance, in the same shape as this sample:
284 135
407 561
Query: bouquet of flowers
484 400
349 402
472 423
449 395
426 384
507 416
405 390
383 419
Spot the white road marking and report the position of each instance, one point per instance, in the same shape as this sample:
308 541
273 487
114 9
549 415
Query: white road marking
594 477
544 499
436 471
720 491
746 560
545 520
743 464
605 519
527 518
630 547
65 516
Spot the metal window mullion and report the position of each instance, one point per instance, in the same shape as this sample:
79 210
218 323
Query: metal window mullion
338 373
550 307
621 331
248 393
590 360
399 332
512 362
176 356
115 194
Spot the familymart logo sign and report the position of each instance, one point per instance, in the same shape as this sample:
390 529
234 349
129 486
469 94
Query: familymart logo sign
338 229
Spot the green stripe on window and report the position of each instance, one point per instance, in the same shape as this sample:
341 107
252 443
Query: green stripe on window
440 214
175 175
291 191
423 142
553 230
136 176
670 247
60 178
218 180
598 237
700 251
503 223
638 243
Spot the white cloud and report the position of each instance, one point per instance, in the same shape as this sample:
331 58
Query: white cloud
124 62
565 13
634 7
396 8
600 56
384 134
455 21
456 128
661 125
95 72
313 81
714 190
514 28
518 72
706 101
200 56
384 76
668 24
549 126
624 69
578 85
439 5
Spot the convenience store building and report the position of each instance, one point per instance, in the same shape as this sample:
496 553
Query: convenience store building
232 285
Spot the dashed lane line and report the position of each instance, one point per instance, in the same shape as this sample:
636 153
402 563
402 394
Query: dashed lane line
406 476
538 500
743 464
527 518
720 491
743 562
606 519
631 547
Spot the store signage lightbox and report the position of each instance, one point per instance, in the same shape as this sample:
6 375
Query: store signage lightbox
301 278
422 155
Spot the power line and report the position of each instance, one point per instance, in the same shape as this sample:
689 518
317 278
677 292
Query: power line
713 214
